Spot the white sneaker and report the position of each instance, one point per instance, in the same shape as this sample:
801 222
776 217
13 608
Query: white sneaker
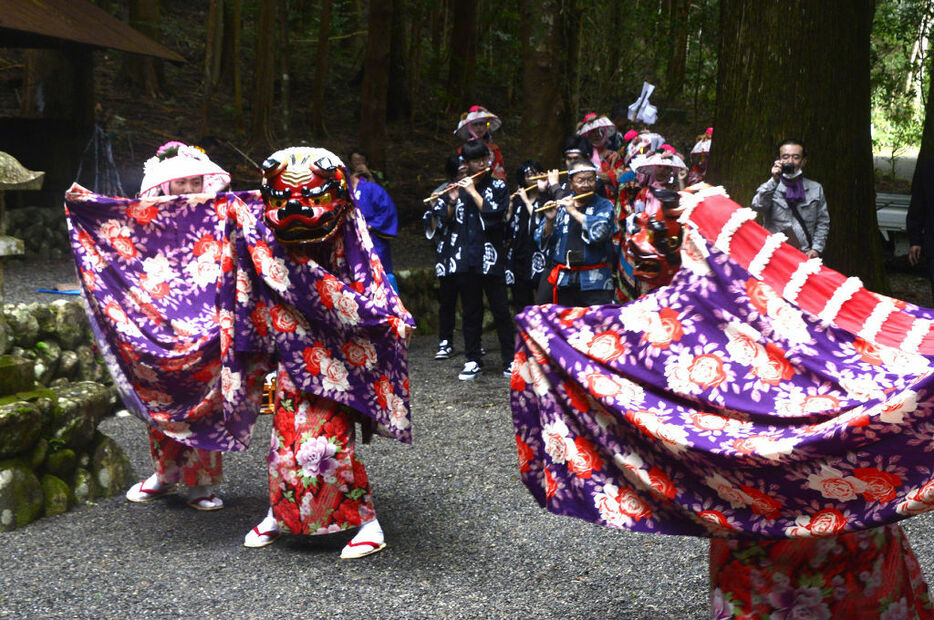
471 370
368 540
445 350
507 371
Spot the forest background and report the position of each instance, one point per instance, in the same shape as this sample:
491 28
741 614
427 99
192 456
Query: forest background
393 77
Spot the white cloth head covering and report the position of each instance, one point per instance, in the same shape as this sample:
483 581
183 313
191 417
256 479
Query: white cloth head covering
657 159
176 160
643 144
592 121
582 169
476 113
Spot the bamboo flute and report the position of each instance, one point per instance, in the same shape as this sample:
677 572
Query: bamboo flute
453 185
554 203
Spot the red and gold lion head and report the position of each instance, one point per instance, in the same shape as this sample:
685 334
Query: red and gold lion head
305 194
653 242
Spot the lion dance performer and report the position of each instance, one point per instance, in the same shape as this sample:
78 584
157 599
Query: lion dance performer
760 399
194 299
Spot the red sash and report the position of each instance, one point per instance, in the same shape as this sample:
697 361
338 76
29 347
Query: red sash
556 271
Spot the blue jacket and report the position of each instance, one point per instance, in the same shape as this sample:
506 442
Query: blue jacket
596 233
381 218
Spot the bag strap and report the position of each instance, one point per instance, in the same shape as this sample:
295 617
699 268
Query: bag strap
794 212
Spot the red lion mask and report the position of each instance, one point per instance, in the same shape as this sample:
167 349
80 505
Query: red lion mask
653 242
305 194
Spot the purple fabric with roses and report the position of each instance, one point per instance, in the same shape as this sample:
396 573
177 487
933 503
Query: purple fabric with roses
189 316
713 407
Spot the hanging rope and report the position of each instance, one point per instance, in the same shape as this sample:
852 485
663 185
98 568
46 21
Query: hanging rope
99 155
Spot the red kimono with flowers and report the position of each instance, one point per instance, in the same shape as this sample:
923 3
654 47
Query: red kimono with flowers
317 485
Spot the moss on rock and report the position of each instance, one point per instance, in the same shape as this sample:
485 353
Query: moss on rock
112 470
85 489
16 374
62 463
20 425
56 495
21 498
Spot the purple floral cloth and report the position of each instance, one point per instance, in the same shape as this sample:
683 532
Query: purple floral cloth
192 301
715 407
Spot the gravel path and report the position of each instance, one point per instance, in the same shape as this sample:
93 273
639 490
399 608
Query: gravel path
466 540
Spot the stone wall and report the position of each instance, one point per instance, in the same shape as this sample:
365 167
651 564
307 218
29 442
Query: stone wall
418 289
52 456
43 230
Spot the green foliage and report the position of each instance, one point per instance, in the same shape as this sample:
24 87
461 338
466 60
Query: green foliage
899 75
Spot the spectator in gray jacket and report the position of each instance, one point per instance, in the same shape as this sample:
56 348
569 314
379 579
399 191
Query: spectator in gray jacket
792 204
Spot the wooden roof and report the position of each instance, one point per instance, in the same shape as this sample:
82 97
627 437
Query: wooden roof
39 23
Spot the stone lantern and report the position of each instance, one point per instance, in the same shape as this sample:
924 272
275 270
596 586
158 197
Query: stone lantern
13 176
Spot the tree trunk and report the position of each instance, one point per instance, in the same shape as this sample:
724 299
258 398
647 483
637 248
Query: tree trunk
284 55
462 68
230 59
437 21
414 64
376 83
398 103
213 44
321 71
144 73
677 59
571 19
264 76
546 115
801 70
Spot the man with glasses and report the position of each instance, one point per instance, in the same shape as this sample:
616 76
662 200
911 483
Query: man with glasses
792 204
576 235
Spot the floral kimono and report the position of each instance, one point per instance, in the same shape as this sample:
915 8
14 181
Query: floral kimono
760 395
192 301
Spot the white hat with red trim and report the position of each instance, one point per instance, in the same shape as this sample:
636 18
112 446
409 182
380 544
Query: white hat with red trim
592 121
658 159
476 114
176 160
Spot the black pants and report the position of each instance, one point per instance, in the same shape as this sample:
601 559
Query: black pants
572 295
523 294
472 287
447 307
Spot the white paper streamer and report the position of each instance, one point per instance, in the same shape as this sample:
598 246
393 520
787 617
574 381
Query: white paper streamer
840 297
804 271
761 261
919 329
737 219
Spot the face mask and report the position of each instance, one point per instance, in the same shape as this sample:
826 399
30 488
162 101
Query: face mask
794 175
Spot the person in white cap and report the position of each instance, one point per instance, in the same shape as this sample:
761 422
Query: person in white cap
661 170
575 236
478 123
176 169
599 130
